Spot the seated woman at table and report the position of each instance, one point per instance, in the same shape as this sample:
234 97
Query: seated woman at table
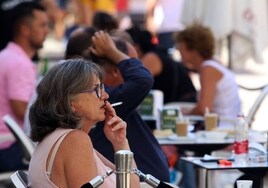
70 101
219 90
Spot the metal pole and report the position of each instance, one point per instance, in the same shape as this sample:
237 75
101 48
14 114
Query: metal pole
123 166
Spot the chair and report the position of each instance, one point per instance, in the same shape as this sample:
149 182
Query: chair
19 179
23 140
4 176
21 137
257 103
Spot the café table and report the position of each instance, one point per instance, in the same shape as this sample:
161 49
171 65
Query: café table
191 143
252 169
202 145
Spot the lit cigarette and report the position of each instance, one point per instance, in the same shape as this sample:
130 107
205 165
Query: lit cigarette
116 104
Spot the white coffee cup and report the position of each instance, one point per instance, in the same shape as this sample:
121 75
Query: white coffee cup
244 183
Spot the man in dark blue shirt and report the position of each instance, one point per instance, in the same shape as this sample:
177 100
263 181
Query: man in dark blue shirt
128 81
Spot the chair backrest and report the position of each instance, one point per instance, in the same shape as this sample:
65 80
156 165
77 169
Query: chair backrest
4 176
257 103
19 179
20 136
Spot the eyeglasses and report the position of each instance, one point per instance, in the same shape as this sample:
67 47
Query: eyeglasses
98 89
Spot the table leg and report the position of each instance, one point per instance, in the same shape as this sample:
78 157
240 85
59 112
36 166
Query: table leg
210 178
202 178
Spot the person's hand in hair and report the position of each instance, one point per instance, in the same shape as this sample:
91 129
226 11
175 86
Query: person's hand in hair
103 46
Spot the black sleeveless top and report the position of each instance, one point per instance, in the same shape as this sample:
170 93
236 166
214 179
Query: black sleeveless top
174 80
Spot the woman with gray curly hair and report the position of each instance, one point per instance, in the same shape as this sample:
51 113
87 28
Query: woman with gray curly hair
70 100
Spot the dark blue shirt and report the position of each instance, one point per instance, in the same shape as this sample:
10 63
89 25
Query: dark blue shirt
148 154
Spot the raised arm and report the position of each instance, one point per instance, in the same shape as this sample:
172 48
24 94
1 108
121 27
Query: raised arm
105 47
208 89
137 80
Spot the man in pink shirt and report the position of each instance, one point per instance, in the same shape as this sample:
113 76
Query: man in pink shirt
18 74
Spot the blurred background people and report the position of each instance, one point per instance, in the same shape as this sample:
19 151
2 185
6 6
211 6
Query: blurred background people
162 18
57 12
127 81
219 90
86 9
56 15
104 21
5 30
18 73
83 12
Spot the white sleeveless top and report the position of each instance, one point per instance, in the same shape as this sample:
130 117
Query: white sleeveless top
226 102
38 175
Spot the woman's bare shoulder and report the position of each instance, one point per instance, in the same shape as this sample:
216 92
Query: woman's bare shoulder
77 138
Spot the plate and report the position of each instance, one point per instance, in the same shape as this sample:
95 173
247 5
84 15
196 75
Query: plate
164 137
163 134
211 135
190 137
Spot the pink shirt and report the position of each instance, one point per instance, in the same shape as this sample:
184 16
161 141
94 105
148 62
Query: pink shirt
17 81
